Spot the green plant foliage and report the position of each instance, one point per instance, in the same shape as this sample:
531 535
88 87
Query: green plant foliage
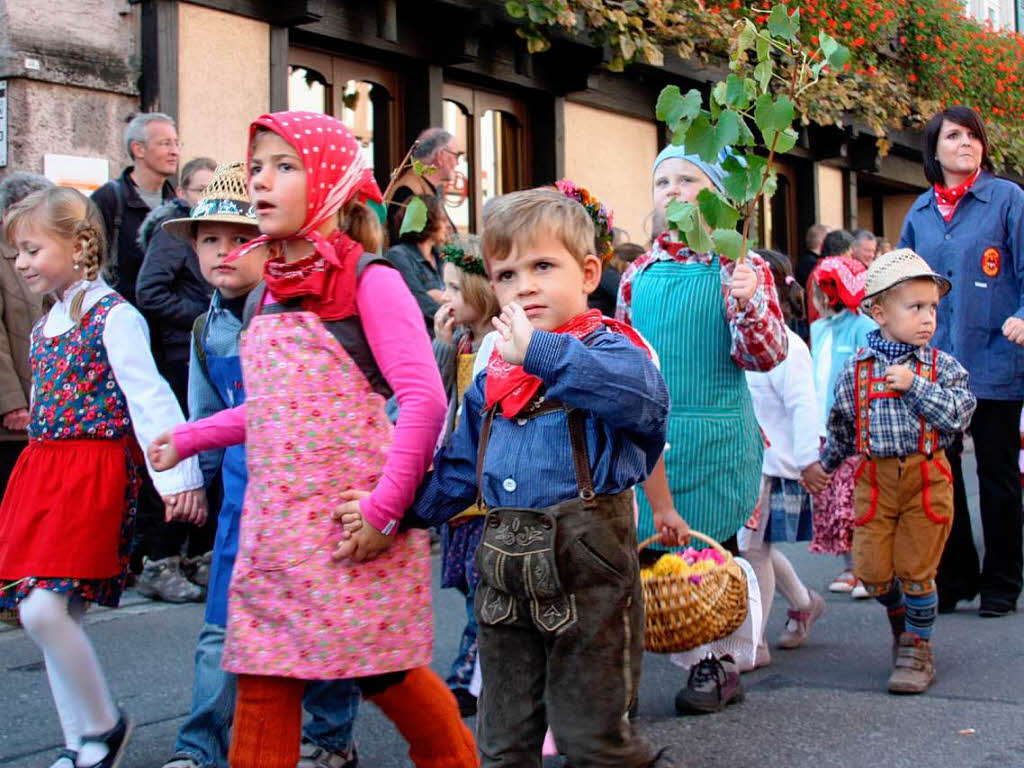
415 218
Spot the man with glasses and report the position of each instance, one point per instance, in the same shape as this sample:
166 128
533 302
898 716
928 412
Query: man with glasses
151 141
436 148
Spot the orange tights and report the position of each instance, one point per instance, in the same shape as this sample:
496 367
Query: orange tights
268 721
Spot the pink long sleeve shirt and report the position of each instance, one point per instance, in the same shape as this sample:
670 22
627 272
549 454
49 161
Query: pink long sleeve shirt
398 339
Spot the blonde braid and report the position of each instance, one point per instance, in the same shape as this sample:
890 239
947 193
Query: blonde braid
87 236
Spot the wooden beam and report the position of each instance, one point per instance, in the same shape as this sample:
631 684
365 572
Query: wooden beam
278 69
160 57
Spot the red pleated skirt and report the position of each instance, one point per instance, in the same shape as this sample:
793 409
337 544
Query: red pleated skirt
66 507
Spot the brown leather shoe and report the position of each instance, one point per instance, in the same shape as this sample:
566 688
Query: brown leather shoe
914 669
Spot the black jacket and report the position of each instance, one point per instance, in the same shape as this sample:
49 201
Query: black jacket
133 212
170 291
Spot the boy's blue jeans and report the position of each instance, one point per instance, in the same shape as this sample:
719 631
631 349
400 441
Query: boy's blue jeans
205 736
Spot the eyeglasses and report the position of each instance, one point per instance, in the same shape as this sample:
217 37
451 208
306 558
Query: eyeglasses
458 154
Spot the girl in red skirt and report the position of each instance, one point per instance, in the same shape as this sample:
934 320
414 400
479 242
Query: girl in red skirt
67 517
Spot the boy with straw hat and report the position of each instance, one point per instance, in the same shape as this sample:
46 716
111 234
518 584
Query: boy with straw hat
900 403
222 220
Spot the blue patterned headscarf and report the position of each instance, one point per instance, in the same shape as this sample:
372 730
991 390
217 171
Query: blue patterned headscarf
713 171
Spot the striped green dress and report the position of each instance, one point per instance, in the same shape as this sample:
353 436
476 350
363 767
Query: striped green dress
714 452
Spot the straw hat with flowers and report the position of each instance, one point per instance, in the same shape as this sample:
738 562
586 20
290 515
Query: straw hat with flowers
225 200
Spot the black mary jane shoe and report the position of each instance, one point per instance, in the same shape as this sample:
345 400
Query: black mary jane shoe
116 741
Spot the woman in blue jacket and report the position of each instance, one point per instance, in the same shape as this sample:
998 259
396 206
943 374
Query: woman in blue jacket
970 228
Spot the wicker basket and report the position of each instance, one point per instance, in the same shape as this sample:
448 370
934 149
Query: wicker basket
681 615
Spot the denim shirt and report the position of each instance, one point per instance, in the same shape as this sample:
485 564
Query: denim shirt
981 251
529 461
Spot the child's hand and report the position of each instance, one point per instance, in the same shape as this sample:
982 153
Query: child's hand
515 331
1013 329
744 284
162 453
814 478
675 532
360 540
899 377
444 324
187 507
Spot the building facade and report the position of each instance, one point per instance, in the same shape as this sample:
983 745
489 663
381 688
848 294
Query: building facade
76 70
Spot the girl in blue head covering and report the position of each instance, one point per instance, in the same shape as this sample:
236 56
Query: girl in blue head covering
709 319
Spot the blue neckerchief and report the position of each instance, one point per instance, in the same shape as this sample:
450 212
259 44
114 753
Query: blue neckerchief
893 350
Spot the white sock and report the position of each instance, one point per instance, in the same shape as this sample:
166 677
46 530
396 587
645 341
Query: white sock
76 680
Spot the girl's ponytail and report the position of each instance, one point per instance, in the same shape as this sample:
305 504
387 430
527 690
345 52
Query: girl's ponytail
790 293
361 224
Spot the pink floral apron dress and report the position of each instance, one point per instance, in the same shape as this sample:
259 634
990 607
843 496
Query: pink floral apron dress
315 428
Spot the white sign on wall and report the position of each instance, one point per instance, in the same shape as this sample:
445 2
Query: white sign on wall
86 174
3 123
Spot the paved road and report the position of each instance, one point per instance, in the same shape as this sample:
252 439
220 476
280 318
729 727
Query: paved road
822 706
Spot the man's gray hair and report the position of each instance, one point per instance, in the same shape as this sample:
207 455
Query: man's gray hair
136 129
863 234
429 142
19 185
815 237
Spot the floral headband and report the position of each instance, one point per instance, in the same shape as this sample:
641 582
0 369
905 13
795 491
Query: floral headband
601 216
453 254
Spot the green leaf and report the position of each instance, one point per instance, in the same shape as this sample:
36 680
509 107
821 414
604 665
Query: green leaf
703 140
743 176
747 36
786 141
773 114
736 92
839 56
763 46
728 243
763 74
685 219
728 128
698 238
415 218
716 210
827 43
515 10
781 24
718 93
673 107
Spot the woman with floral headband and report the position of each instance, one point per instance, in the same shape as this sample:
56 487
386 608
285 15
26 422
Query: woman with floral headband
607 290
460 326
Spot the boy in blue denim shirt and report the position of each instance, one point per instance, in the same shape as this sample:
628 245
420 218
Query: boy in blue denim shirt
568 417
900 403
221 221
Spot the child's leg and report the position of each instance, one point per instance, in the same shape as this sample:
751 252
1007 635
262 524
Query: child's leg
333 705
924 526
876 501
787 581
758 553
205 734
268 722
80 692
425 713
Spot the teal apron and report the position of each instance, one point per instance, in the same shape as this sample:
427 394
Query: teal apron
714 453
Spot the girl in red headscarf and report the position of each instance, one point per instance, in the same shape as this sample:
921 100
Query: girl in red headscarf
836 291
333 333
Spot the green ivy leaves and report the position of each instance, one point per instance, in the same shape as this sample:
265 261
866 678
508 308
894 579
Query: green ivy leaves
415 218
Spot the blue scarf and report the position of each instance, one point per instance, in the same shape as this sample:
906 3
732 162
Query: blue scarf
893 350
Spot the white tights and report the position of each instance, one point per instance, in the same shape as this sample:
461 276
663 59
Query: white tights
84 704
772 569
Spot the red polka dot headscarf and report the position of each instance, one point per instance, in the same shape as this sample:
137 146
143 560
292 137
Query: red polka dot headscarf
336 171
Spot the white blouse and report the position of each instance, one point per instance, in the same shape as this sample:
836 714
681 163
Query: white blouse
151 403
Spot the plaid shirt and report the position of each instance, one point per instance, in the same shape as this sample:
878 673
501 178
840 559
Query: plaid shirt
895 422
759 341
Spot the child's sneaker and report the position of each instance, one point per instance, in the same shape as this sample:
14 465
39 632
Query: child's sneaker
914 668
163 580
860 592
312 756
181 762
800 622
65 759
713 684
197 569
844 583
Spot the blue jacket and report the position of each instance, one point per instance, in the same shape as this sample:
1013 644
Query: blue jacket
529 462
834 340
981 251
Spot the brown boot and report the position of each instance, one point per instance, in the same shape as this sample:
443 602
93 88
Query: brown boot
914 668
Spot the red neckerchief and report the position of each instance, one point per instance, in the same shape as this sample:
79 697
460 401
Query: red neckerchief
948 199
513 387
680 251
326 288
